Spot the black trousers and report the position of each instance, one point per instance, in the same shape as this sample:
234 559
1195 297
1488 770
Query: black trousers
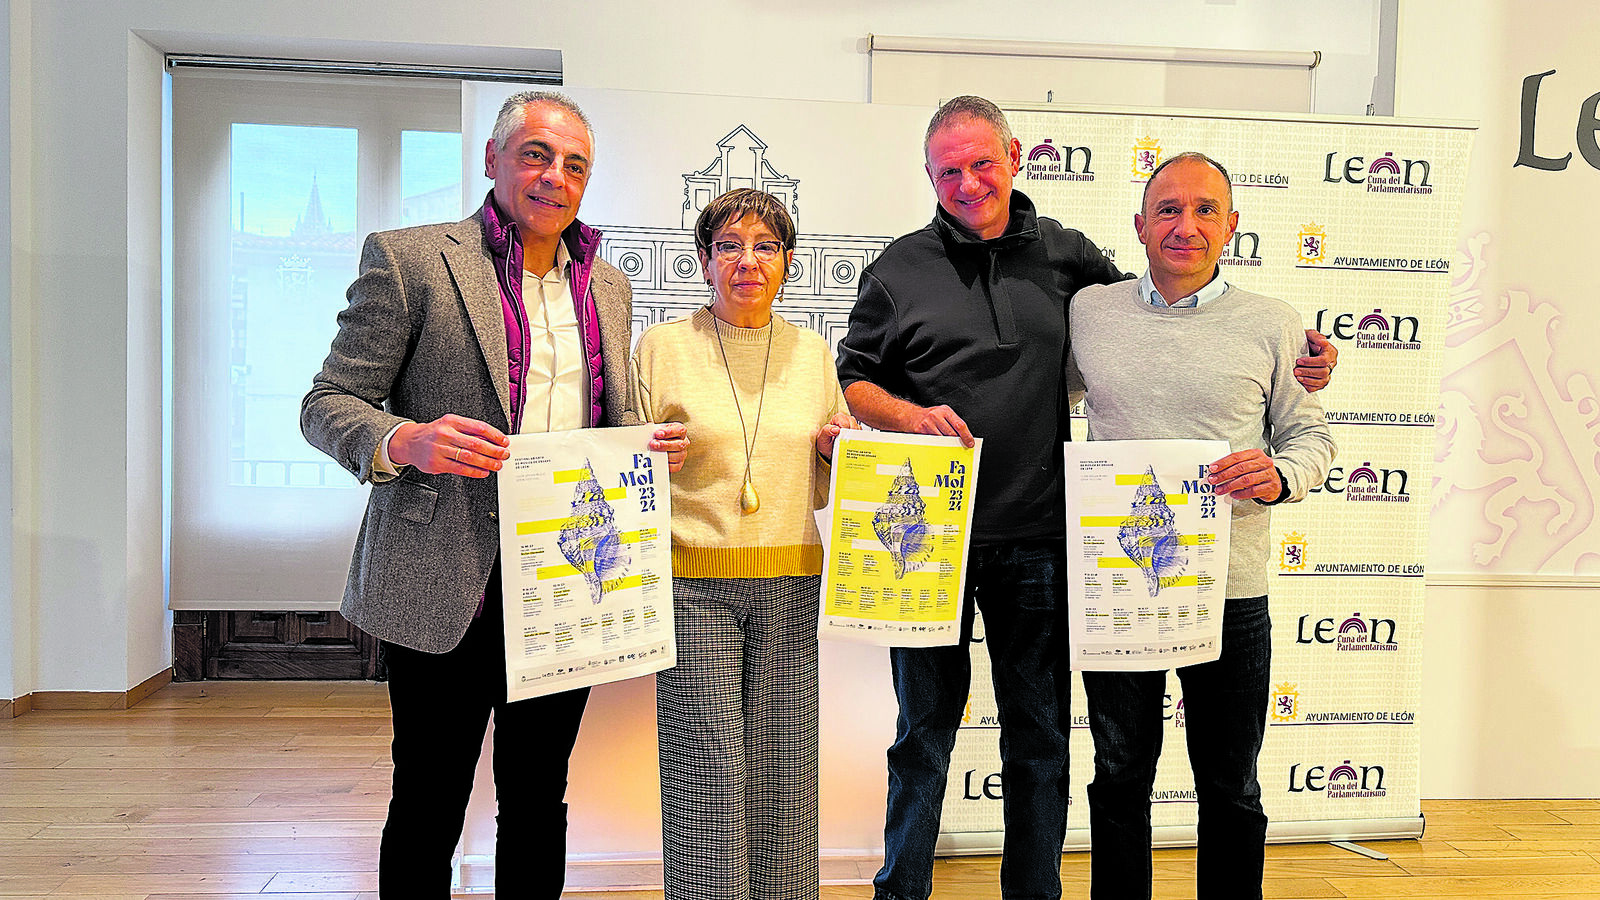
441 705
1226 722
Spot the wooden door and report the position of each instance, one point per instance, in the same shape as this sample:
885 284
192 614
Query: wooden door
270 646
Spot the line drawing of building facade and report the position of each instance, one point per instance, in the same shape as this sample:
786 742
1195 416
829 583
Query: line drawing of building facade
664 270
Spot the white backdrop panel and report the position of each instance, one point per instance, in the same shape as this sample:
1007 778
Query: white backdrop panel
1353 223
853 176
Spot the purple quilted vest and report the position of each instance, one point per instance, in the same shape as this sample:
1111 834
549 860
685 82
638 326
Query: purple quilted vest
505 247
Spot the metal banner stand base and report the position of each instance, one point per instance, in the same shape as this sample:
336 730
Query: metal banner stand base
1359 850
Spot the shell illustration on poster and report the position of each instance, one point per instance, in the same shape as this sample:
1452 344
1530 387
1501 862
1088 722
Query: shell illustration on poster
1149 539
901 524
589 537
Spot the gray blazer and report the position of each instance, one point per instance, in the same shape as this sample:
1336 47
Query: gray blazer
423 335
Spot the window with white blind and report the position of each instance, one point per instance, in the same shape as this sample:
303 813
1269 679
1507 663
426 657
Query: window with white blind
276 181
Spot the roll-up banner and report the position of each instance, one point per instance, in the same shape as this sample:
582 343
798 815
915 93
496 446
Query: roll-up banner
1353 222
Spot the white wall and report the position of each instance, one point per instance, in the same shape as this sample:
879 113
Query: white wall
80 302
83 610
18 545
8 657
1508 675
1509 662
148 636
93 205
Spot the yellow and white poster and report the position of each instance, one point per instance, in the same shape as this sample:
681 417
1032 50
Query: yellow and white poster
1147 554
585 560
894 570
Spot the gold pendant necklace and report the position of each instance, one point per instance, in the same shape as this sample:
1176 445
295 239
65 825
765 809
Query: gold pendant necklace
749 500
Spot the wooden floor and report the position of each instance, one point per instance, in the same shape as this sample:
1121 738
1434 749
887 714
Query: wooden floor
226 790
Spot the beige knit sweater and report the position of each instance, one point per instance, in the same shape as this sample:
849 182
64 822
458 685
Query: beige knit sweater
681 378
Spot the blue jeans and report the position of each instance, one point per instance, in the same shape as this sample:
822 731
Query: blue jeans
1020 589
1225 719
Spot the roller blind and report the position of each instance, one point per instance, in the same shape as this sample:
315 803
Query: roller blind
276 181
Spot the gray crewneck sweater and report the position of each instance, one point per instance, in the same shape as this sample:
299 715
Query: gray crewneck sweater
1220 371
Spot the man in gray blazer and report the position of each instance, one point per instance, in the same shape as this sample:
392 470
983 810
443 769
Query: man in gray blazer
455 336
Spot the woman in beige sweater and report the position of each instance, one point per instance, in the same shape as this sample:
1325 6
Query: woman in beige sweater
738 715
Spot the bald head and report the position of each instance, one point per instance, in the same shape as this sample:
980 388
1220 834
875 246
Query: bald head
1186 223
1189 156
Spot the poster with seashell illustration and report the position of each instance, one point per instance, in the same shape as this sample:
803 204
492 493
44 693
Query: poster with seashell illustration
895 561
586 559
1147 554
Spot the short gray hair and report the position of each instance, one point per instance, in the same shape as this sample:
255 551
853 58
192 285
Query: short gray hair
514 112
1196 156
968 106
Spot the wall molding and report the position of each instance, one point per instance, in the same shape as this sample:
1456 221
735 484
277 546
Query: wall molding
79 700
1485 579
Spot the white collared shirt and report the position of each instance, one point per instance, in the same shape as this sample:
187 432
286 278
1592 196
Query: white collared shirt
1213 289
554 396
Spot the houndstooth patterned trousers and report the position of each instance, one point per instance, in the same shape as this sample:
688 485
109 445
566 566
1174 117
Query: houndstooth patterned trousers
738 733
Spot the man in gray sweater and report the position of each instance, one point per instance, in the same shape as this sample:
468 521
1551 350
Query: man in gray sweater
1181 353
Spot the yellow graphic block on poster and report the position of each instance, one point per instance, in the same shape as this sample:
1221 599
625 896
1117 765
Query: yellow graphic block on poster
897 533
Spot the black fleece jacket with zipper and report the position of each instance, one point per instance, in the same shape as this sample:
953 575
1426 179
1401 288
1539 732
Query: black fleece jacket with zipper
944 317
